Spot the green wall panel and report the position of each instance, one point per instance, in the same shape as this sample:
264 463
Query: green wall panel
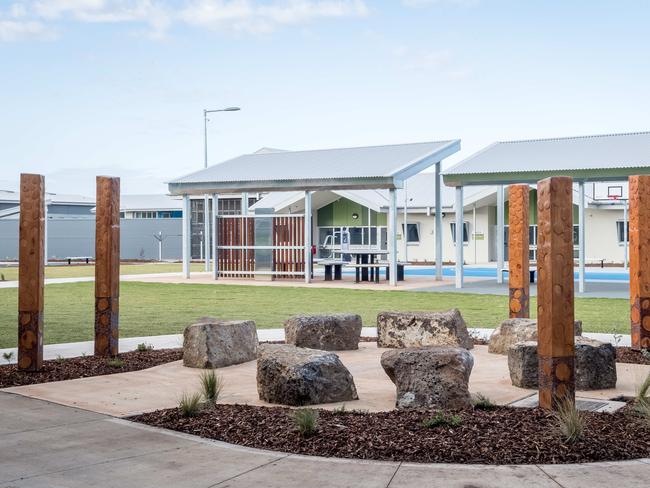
339 214
532 209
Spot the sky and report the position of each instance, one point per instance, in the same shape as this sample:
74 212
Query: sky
118 87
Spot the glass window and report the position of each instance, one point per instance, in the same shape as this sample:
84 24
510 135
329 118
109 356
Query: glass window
356 236
576 235
620 231
413 233
465 231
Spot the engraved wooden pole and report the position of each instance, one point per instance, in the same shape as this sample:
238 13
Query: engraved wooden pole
31 258
518 274
555 313
107 266
639 227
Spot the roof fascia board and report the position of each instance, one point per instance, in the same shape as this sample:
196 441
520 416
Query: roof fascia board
199 188
351 195
420 164
591 175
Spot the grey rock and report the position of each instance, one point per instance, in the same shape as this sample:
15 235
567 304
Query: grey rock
214 343
420 329
595 364
430 377
291 375
511 331
523 364
332 332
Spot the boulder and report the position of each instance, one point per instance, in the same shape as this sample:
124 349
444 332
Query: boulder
511 331
333 332
214 343
523 364
430 377
291 375
421 329
595 364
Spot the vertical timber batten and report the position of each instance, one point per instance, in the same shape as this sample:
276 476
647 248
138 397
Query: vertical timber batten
555 307
639 228
107 266
31 257
518 248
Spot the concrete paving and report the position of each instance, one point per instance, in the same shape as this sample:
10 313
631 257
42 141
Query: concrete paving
161 387
51 446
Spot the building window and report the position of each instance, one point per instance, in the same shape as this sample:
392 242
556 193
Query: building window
465 232
412 234
620 225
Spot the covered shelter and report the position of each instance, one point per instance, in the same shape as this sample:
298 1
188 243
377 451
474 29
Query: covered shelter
361 168
611 157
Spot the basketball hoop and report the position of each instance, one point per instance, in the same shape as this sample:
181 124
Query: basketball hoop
614 197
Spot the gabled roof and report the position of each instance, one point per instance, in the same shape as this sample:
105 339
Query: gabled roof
589 158
326 169
9 196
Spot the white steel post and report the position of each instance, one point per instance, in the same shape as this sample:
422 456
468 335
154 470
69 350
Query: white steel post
206 231
307 237
187 236
438 229
625 247
392 236
459 236
405 232
581 237
215 236
500 232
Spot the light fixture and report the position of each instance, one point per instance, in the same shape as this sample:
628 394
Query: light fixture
355 216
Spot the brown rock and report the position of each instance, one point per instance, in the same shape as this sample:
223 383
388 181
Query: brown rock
214 343
420 329
511 331
332 332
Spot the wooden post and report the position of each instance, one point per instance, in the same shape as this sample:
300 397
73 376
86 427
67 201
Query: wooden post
107 266
639 228
518 248
31 258
555 313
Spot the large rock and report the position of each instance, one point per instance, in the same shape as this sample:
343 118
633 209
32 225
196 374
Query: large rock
292 375
334 332
511 331
420 329
214 343
430 377
595 364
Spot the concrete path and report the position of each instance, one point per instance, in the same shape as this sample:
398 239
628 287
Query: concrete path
51 446
161 386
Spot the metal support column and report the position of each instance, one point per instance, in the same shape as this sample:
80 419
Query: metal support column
405 232
438 229
581 237
206 231
500 232
187 236
308 258
392 236
215 236
625 243
458 209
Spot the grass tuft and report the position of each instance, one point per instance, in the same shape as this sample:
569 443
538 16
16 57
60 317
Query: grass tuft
211 386
442 420
643 392
306 421
482 402
144 347
115 363
190 404
60 359
571 421
8 356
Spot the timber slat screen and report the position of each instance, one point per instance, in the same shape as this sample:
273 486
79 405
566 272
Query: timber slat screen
236 246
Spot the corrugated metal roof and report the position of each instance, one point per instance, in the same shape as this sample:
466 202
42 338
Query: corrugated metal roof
150 202
53 198
611 151
326 164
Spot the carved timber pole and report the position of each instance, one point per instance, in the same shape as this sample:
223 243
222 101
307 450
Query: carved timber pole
107 266
518 245
31 258
639 227
555 312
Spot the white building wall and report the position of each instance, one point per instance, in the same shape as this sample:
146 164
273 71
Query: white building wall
601 241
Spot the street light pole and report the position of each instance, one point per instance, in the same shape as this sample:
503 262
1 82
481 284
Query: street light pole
206 200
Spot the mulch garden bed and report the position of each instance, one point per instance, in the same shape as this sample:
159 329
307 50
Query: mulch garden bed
504 435
625 354
85 366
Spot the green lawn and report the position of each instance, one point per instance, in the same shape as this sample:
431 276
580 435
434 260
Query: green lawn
156 308
81 270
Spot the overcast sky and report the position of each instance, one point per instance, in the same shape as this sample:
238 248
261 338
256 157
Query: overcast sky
118 87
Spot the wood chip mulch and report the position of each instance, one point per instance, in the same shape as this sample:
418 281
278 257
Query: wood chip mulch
504 435
85 366
627 355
